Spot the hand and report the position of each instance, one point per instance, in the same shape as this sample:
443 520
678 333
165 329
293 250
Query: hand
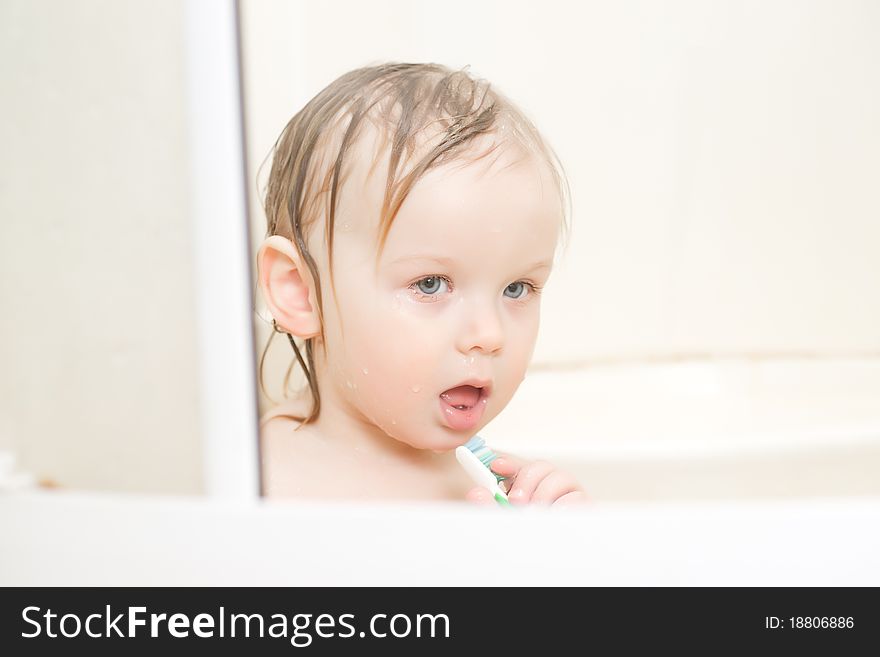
536 482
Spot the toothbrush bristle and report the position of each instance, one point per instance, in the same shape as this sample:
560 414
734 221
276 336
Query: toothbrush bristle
475 443
478 448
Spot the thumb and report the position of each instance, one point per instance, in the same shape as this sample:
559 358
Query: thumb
507 465
480 495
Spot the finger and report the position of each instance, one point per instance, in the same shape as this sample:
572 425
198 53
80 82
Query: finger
506 465
481 496
553 486
574 498
527 480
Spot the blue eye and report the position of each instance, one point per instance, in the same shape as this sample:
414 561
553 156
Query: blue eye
430 284
514 289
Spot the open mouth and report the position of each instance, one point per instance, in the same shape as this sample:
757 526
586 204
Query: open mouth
463 397
462 407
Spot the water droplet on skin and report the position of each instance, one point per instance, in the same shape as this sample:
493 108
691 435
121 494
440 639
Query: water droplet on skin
416 388
348 383
365 371
471 360
393 421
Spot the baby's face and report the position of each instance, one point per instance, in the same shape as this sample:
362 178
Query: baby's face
451 303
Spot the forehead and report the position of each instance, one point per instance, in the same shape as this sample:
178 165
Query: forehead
500 198
504 204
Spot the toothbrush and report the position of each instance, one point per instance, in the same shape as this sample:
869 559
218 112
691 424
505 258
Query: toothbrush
475 457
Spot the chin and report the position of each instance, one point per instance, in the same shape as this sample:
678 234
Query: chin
440 446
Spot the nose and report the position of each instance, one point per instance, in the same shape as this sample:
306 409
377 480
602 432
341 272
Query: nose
482 330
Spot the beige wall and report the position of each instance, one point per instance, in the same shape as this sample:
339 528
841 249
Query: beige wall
98 382
723 158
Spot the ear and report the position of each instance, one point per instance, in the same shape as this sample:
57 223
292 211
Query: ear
286 285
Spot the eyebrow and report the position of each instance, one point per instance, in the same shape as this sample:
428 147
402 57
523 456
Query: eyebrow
541 264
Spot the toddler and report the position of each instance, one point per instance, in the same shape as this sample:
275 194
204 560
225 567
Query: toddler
413 216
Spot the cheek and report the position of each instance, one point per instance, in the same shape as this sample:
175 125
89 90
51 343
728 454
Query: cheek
519 347
529 335
394 354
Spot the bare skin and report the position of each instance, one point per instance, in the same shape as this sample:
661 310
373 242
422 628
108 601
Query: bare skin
452 297
303 463
292 456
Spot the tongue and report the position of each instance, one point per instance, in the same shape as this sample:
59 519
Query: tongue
461 396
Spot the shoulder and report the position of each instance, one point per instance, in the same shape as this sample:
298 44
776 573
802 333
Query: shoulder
288 452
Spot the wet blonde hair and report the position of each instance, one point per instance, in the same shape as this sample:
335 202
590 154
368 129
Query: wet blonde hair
424 110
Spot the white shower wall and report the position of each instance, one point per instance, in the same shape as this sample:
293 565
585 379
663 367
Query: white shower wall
713 329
